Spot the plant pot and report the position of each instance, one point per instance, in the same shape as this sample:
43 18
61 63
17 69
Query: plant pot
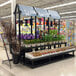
50 42
45 43
60 41
26 45
29 45
16 58
42 43
56 41
33 45
37 44
53 42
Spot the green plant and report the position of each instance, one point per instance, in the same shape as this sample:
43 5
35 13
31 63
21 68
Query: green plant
52 36
53 32
60 37
31 41
47 38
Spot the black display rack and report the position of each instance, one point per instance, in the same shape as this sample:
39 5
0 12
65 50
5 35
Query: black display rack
23 50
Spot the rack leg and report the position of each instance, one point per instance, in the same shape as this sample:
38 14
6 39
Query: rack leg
63 56
49 47
60 45
54 46
73 53
49 59
32 64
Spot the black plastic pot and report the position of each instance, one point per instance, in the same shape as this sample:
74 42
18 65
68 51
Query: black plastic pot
16 58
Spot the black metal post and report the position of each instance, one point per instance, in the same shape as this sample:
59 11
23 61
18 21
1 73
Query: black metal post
26 22
54 23
31 23
48 26
59 27
44 26
35 28
65 44
19 29
59 44
51 24
73 53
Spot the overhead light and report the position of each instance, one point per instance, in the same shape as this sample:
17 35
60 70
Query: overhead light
67 12
6 17
61 5
73 19
68 17
3 4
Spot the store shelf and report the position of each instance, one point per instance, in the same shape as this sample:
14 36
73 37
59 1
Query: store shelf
34 62
43 44
29 56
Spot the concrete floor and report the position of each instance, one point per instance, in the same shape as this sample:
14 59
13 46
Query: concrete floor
65 67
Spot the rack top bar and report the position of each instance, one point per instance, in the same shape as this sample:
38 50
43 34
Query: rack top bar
27 10
41 12
54 14
32 11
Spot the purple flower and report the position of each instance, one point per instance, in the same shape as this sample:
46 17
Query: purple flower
33 37
27 36
37 32
37 36
24 37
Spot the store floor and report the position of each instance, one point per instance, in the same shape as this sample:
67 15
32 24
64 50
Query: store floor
65 67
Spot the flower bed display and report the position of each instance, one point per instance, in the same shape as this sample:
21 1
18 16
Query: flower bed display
47 52
52 37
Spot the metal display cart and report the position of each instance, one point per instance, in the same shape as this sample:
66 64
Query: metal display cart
32 12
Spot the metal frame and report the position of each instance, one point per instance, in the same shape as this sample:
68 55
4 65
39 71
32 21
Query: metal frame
35 27
47 23
44 26
31 23
37 46
19 14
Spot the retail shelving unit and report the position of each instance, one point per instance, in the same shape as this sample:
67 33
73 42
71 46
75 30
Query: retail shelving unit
70 29
42 52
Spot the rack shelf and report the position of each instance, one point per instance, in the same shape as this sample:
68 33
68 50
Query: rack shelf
36 62
31 57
